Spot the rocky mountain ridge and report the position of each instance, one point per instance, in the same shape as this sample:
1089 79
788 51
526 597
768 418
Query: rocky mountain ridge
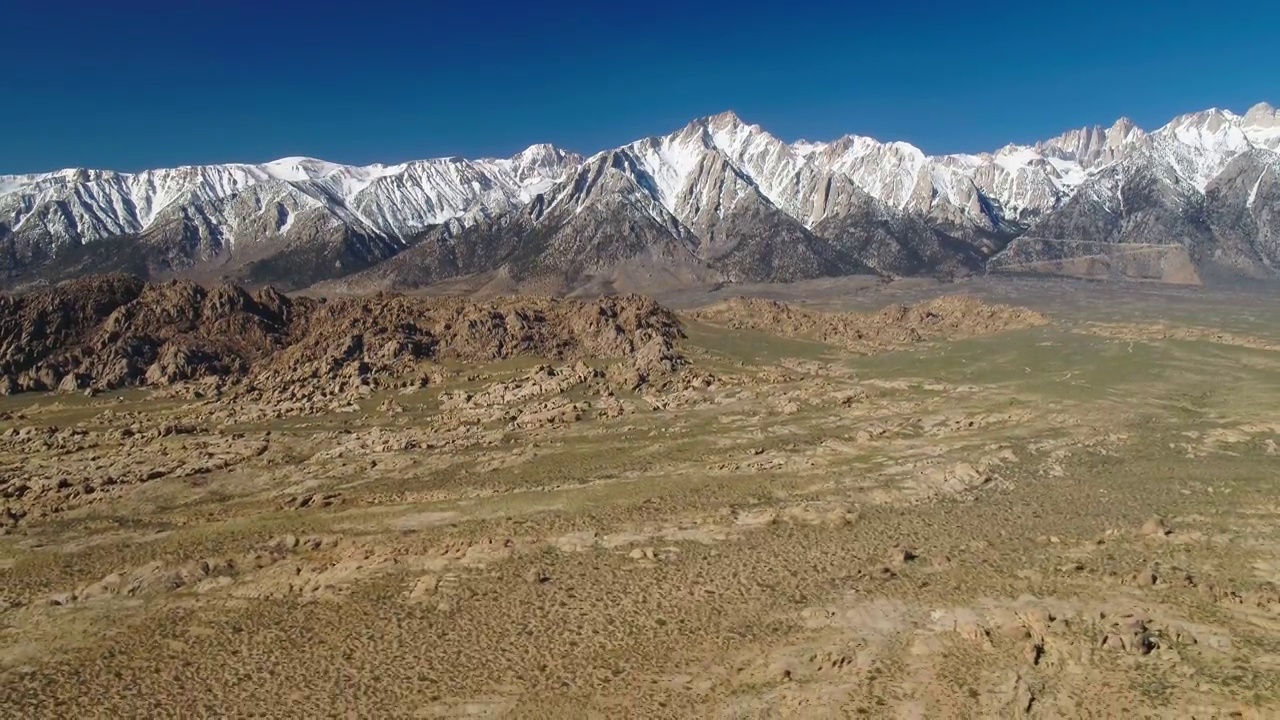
717 200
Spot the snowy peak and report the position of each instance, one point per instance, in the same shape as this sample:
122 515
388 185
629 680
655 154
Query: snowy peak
1123 130
300 169
1200 145
729 133
689 169
774 167
1262 115
542 161
1212 130
966 192
1123 133
606 212
1262 126
896 172
727 121
1197 146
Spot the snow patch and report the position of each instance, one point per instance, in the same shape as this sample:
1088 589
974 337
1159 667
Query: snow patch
301 169
1264 137
1253 193
1014 159
1070 173
669 161
284 220
804 148
11 184
535 187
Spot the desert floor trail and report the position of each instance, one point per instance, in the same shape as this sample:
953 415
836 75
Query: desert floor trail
954 508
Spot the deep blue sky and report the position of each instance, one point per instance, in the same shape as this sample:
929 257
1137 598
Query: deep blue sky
132 84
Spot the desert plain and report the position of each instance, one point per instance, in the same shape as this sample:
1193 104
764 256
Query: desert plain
990 498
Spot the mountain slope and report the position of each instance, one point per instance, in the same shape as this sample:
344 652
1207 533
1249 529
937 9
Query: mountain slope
1243 204
862 229
599 225
742 232
1137 217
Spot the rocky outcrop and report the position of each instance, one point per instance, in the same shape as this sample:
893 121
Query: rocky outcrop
383 340
948 317
115 331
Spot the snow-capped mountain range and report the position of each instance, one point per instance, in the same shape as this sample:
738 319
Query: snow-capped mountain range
724 191
86 205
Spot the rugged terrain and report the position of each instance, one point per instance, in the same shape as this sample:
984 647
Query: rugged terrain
821 500
719 200
112 331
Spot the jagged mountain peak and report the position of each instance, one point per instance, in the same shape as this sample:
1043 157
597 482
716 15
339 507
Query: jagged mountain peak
1199 145
1207 127
1124 131
730 133
607 174
231 214
539 149
723 120
1094 145
1225 131
707 129
543 154
1123 126
1213 116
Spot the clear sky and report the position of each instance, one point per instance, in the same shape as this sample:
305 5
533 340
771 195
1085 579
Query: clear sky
144 83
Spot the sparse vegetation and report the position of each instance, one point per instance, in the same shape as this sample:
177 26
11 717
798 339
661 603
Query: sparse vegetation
1056 520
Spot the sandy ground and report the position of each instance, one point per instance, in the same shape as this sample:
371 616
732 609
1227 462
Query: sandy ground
1076 519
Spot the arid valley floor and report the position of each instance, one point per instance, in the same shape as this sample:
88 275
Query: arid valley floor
1024 505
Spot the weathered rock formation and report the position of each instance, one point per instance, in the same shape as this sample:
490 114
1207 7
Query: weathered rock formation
113 331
